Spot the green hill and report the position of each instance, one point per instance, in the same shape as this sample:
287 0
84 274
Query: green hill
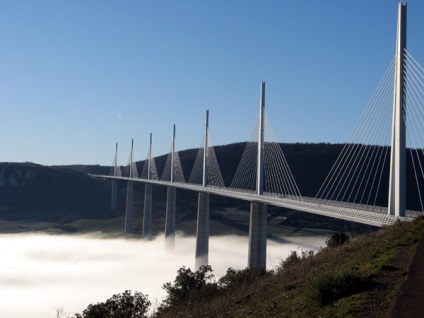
361 278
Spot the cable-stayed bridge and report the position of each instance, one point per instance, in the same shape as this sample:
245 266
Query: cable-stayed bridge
384 150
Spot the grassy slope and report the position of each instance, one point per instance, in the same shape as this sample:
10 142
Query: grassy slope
381 258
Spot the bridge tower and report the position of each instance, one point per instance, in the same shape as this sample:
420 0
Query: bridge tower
147 217
259 211
202 232
114 198
171 202
397 183
130 196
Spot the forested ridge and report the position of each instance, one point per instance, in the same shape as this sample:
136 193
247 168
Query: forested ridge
55 192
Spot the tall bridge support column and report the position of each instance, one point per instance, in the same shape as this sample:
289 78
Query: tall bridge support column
130 196
114 197
170 218
147 217
257 235
259 211
397 181
129 208
202 233
171 202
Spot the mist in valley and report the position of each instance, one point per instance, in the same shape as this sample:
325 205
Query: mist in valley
40 273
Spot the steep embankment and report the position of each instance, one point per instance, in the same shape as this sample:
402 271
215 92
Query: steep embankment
359 279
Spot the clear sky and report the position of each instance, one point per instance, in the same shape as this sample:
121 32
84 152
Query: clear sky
78 76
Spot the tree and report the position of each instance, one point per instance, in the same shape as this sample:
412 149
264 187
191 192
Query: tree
125 305
186 283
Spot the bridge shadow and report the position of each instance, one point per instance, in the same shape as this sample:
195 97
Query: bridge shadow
238 220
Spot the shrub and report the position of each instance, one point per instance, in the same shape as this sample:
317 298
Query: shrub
291 260
234 278
294 259
337 239
333 285
187 283
125 305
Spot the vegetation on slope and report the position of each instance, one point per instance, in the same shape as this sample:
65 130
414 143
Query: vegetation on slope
31 191
358 277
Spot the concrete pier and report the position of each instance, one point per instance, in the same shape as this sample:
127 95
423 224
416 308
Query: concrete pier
170 218
202 233
114 197
171 202
257 235
129 208
397 181
259 211
147 218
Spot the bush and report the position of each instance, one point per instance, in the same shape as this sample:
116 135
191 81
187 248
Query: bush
186 283
123 305
294 259
332 286
234 278
291 260
337 239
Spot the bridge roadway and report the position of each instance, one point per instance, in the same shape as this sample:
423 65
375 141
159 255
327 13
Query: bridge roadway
365 214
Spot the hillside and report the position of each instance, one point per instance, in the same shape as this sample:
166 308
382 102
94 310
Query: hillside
309 164
62 194
31 191
361 278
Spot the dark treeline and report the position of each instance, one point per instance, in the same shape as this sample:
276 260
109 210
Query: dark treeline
59 189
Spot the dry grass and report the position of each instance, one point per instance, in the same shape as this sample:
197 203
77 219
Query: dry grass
374 265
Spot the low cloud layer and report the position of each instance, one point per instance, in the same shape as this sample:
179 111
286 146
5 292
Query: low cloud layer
39 273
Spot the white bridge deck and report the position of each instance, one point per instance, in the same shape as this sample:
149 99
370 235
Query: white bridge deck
365 214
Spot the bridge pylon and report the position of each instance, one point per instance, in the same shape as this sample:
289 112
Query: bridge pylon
258 211
130 196
171 202
114 196
147 217
397 183
202 231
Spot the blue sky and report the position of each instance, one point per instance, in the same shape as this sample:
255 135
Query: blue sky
78 76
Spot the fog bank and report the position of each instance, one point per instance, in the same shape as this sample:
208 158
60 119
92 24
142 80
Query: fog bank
40 272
